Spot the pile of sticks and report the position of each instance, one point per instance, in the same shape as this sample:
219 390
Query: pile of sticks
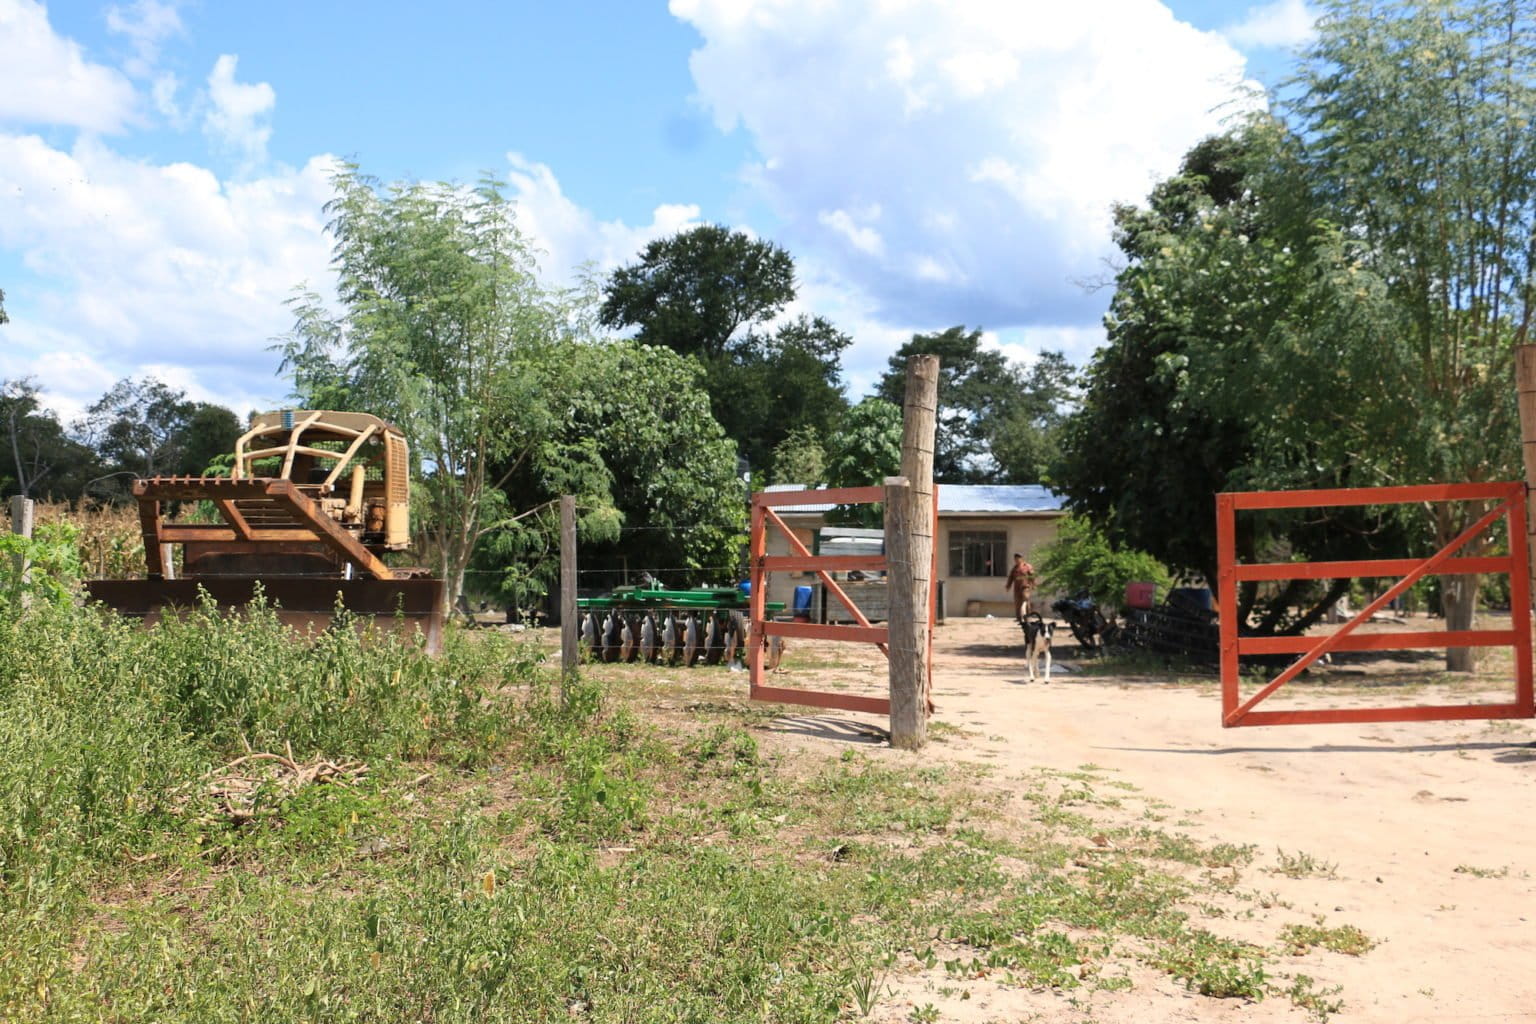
258 783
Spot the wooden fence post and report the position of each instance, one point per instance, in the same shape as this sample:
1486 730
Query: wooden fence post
1525 392
569 652
21 523
909 555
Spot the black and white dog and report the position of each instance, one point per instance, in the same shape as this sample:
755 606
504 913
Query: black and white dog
1037 645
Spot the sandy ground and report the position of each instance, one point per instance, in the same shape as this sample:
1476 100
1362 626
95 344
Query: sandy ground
1426 825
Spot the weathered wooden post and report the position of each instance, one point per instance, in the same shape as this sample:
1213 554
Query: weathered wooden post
21 523
909 555
1525 391
569 652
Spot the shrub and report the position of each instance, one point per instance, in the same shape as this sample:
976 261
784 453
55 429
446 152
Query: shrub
1080 559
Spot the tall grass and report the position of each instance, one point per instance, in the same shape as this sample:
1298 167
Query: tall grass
105 728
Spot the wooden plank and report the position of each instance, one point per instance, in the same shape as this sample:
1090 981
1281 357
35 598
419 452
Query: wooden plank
233 517
827 496
195 533
149 526
1226 601
909 547
822 699
1380 641
757 599
569 651
816 631
823 563
1374 568
330 531
1419 713
1346 496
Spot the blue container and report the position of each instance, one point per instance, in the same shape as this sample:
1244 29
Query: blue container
802 600
1197 598
745 586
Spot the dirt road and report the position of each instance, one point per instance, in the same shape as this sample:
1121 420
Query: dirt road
1419 833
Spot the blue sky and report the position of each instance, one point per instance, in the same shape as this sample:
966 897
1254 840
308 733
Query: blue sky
926 162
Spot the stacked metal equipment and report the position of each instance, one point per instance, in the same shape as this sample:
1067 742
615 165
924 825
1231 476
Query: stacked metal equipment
673 627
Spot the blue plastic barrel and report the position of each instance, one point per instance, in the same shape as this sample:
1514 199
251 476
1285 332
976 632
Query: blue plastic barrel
802 600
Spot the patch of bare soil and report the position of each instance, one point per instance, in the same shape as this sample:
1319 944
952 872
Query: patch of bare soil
1416 834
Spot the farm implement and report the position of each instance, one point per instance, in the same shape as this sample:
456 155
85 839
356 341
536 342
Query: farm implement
313 502
673 627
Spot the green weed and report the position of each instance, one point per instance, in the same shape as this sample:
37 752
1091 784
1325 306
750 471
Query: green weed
1300 939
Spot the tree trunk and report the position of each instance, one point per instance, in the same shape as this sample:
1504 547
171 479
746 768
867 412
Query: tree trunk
1459 598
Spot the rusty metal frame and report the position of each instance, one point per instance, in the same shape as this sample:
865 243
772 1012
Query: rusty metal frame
305 521
801 560
1511 502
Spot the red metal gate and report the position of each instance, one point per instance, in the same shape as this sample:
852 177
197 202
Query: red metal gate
801 560
1511 500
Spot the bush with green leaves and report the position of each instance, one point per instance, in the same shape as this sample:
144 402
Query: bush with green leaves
1081 559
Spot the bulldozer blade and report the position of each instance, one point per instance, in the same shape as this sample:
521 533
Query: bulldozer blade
404 606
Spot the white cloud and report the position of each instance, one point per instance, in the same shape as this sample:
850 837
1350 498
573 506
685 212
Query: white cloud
568 235
864 238
133 264
46 79
1281 24
992 135
146 24
238 115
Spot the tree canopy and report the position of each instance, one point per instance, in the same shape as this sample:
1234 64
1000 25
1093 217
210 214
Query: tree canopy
713 294
692 291
441 317
1330 295
996 422
38 458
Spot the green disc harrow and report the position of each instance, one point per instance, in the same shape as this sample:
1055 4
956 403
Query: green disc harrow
672 627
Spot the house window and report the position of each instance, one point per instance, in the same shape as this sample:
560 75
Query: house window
978 553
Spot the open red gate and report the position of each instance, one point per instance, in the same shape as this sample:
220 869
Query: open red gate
801 560
1511 500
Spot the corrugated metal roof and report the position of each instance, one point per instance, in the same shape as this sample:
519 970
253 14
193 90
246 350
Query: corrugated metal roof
958 499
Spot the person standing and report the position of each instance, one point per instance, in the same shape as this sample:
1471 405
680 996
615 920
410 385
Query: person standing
1021 580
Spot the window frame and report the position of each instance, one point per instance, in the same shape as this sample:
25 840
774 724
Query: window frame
972 542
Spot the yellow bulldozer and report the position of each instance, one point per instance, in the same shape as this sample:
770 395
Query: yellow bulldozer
313 501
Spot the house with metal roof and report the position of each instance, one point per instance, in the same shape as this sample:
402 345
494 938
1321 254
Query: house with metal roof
980 528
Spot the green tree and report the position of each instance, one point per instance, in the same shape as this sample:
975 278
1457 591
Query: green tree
148 428
1414 129
210 432
658 474
799 459
441 322
1338 301
866 446
1220 274
768 386
976 390
864 450
3 317
1024 438
711 293
693 291
38 458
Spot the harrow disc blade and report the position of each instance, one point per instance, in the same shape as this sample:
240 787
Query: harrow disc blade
629 642
714 640
691 640
648 638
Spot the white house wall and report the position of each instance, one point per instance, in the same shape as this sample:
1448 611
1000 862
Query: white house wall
986 595
962 595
